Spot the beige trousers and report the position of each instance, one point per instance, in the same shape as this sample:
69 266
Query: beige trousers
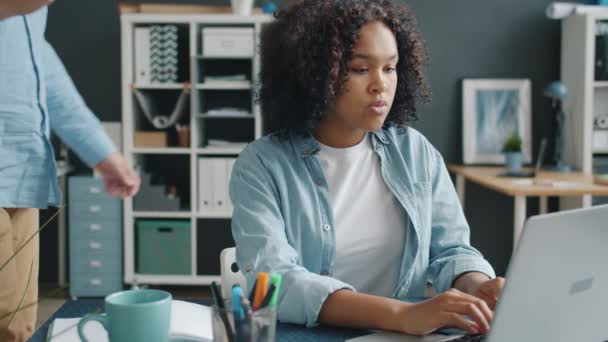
18 278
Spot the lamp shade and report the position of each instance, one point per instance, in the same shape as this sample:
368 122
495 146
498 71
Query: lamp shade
556 90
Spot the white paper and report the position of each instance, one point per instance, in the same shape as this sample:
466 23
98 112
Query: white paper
191 321
188 321
66 330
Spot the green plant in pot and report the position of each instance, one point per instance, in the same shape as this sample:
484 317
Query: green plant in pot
513 154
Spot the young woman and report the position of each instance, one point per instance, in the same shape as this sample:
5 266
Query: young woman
355 209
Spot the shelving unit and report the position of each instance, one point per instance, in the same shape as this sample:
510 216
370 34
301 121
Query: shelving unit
209 232
587 97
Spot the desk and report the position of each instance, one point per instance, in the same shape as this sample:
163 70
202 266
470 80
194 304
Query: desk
285 332
556 184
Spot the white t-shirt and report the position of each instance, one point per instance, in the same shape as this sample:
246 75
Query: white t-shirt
370 224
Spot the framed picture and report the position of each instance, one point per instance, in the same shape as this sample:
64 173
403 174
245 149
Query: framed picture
492 110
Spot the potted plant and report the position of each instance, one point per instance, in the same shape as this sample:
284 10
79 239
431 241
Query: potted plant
512 151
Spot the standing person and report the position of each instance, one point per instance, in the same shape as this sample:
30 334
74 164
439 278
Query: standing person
37 95
351 206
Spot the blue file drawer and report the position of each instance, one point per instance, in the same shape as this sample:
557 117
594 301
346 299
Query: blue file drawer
95 284
103 229
95 239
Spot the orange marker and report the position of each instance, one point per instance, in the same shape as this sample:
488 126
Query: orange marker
260 290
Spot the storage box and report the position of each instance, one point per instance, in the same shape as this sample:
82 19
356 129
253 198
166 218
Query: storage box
228 42
150 139
163 247
600 141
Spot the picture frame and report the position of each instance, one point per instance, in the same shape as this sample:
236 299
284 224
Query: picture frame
492 110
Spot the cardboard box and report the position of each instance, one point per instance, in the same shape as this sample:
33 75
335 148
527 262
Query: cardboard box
150 139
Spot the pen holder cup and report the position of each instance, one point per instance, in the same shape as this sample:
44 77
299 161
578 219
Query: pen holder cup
259 325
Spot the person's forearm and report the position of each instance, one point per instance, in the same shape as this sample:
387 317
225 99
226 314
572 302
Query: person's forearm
470 282
357 310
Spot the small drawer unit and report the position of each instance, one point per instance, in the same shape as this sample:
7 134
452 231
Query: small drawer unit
95 238
163 247
228 42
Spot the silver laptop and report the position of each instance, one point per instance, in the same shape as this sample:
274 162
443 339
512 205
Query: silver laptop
557 283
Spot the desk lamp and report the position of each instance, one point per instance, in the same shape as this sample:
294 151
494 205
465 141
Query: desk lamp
557 92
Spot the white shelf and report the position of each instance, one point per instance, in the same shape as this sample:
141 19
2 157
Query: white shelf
162 150
203 87
162 214
600 151
220 150
223 57
170 279
161 85
211 117
214 216
224 85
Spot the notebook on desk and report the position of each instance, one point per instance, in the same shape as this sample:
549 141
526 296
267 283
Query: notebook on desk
189 322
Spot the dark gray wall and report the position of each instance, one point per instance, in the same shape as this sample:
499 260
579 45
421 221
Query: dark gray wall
466 38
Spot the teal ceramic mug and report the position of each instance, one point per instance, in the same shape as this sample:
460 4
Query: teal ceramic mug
134 315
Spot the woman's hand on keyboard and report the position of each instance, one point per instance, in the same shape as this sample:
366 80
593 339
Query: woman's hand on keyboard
490 291
453 308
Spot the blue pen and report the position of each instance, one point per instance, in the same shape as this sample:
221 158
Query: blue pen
240 322
237 308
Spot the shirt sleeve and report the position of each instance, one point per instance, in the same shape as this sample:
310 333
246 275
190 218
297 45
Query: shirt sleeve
451 253
70 117
262 246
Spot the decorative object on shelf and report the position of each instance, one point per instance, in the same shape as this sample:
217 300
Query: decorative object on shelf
557 92
183 135
150 108
225 42
150 139
156 54
241 7
513 155
163 53
153 197
269 7
493 110
601 122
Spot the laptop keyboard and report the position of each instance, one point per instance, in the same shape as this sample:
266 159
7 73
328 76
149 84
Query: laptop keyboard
470 338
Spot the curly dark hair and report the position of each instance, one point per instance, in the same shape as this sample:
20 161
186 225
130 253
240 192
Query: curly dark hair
306 51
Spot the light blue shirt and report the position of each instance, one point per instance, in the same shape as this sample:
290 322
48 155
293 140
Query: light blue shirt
36 94
282 220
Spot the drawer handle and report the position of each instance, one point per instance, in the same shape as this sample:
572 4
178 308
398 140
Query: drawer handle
94 208
165 229
95 227
227 43
94 190
94 245
95 282
95 264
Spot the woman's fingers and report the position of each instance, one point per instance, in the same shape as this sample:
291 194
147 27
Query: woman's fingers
480 303
472 311
452 319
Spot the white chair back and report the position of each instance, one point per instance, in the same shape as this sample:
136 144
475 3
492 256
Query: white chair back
230 272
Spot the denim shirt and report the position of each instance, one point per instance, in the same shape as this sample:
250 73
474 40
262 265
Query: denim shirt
36 94
282 220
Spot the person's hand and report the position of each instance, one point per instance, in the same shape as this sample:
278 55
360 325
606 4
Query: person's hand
11 8
119 178
453 309
490 291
